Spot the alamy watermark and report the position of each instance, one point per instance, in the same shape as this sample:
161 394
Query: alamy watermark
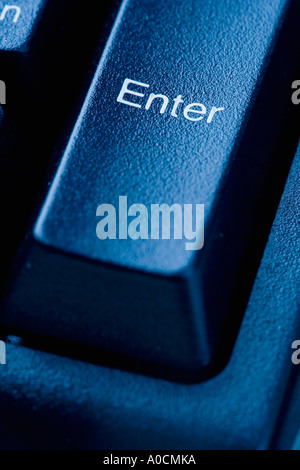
296 354
162 221
296 94
2 92
2 353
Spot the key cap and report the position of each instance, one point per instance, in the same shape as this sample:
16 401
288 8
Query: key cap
25 42
43 63
237 409
42 56
17 23
191 109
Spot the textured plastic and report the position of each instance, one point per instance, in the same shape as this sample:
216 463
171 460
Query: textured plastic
18 22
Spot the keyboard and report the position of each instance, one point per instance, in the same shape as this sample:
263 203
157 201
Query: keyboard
150 275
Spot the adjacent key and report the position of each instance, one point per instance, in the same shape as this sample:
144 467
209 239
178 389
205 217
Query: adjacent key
28 34
18 22
189 107
43 64
45 47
